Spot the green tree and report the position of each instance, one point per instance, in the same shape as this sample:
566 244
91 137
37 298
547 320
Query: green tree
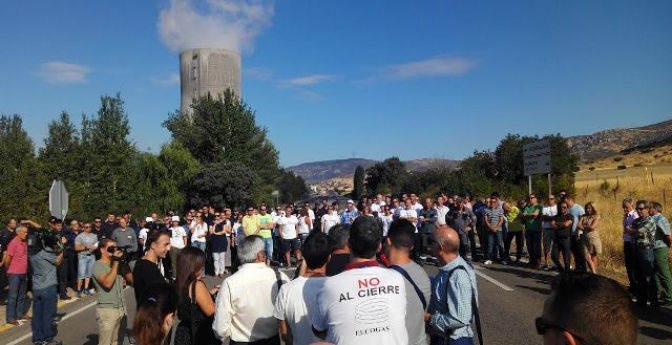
385 175
110 167
24 188
358 182
181 167
222 184
291 187
223 129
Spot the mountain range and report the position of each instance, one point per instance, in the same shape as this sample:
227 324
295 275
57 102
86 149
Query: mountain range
588 147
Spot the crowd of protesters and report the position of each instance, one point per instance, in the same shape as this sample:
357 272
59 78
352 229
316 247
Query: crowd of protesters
343 291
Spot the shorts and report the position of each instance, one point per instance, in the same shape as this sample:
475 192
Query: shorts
268 246
85 266
288 245
593 243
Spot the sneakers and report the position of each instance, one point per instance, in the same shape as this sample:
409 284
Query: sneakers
87 292
64 297
504 262
79 294
487 262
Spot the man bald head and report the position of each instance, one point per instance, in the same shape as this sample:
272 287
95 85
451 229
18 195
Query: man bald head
446 243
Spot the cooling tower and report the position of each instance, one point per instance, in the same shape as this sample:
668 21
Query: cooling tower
207 70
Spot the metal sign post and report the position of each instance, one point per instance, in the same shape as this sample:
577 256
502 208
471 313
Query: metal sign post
537 161
58 199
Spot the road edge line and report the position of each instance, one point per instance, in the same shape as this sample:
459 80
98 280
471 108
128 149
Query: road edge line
490 279
67 316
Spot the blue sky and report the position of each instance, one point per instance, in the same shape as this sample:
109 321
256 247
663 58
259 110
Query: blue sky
333 79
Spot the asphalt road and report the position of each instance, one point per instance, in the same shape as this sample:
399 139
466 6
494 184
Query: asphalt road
510 298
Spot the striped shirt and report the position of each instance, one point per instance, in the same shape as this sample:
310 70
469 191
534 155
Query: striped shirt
493 215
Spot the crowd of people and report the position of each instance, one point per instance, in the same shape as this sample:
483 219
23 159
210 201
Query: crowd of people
358 272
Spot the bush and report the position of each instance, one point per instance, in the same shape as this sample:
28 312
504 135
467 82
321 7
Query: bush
618 159
591 168
621 167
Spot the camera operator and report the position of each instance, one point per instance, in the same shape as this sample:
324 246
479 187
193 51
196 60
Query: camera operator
107 274
56 225
45 286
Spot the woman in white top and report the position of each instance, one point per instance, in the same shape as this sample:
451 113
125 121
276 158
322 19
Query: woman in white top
387 217
304 223
199 230
330 219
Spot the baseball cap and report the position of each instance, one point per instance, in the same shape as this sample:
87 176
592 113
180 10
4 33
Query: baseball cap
350 201
175 219
149 219
55 220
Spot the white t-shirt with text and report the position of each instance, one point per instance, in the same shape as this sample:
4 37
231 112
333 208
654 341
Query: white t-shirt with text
364 306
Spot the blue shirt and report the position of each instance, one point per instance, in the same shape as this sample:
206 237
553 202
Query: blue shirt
347 215
450 305
662 230
577 211
44 269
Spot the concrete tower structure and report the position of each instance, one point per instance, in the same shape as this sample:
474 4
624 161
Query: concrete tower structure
207 70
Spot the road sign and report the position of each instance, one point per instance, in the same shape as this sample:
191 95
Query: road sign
537 158
58 199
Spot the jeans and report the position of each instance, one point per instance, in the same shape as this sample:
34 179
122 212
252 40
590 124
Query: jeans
518 235
174 252
533 245
548 241
446 341
662 271
16 301
62 275
495 243
268 245
199 245
646 285
85 265
562 245
629 258
464 244
44 309
219 259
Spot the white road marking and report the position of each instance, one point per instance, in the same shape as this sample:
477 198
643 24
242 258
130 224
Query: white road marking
478 272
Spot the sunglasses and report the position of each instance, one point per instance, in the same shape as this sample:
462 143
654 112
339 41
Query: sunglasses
542 326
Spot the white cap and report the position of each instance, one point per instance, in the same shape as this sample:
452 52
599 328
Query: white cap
149 219
175 219
350 201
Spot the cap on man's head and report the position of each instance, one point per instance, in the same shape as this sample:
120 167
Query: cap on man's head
175 219
149 219
55 220
350 201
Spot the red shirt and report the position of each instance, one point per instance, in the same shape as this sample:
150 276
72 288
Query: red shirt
18 250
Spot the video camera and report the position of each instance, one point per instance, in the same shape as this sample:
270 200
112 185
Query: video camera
45 239
124 257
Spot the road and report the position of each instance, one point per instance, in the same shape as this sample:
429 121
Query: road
510 298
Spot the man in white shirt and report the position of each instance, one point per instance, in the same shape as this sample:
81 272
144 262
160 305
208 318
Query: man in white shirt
243 309
442 210
178 240
549 211
296 301
288 232
365 304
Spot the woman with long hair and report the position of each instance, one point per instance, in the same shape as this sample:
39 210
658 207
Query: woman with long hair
589 223
155 316
196 306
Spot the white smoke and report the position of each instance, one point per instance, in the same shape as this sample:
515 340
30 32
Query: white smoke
228 24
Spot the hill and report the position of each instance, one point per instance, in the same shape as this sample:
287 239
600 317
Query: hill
620 141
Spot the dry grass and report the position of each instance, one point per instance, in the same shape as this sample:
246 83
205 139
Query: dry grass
608 187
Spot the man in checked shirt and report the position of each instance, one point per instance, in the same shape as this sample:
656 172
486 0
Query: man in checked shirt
643 231
453 291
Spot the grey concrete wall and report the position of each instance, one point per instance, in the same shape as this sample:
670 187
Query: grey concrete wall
208 70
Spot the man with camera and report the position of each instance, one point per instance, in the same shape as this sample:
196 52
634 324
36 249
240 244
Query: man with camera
56 225
45 284
110 310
